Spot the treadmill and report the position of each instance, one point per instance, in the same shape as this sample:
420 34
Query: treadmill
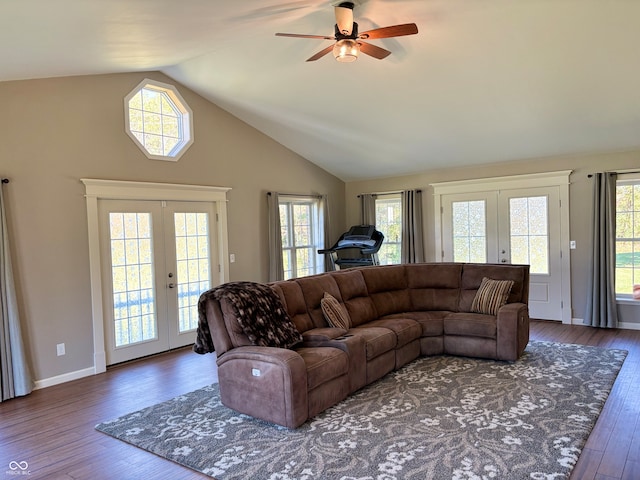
363 238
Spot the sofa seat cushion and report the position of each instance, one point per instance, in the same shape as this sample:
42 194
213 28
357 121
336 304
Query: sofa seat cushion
471 325
377 340
406 329
323 364
432 323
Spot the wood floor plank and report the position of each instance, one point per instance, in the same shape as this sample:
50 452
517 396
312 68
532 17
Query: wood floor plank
53 428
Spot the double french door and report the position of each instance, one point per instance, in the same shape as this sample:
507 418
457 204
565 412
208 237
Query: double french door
520 226
157 257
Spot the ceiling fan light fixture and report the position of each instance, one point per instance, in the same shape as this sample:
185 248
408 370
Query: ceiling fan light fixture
346 50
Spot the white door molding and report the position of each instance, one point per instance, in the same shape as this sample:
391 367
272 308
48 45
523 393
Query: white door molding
515 182
96 189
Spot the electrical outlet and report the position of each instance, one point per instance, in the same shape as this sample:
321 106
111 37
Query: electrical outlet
60 349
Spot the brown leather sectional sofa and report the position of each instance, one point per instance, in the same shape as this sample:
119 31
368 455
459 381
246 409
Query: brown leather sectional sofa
398 313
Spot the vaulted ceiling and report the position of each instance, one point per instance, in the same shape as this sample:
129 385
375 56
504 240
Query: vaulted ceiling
483 81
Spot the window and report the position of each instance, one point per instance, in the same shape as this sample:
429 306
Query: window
301 225
627 234
158 120
389 222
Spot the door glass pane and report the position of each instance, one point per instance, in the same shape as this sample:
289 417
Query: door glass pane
469 231
132 278
193 275
529 232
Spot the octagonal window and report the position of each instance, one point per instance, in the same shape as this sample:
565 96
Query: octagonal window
158 120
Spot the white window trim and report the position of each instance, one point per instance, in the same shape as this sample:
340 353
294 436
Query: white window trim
121 190
179 103
318 227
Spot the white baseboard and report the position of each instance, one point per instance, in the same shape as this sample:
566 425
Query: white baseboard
67 377
622 325
629 325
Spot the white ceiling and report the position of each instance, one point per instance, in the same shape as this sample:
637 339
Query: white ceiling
483 81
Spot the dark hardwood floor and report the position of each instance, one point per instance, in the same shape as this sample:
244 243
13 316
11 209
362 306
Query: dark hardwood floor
53 429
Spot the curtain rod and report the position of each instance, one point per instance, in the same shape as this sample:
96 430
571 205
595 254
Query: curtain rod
620 171
387 193
5 180
296 194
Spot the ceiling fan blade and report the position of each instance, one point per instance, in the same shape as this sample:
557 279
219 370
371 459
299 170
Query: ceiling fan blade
297 35
320 54
388 32
373 50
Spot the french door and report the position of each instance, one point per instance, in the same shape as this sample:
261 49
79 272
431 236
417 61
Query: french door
520 226
157 259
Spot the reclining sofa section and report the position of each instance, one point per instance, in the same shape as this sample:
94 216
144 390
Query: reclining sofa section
397 313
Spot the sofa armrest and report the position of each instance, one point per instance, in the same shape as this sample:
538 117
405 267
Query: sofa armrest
513 331
352 345
265 382
317 336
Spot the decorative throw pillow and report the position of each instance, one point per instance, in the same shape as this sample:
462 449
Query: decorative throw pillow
334 312
260 314
491 295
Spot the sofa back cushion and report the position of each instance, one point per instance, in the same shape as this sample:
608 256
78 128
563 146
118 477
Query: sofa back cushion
387 287
260 313
236 334
294 303
355 296
313 289
434 286
473 273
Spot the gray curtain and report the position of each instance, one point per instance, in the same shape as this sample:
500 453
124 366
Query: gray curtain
602 310
324 212
412 250
276 269
368 208
15 376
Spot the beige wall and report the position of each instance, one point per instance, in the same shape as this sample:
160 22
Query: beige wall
56 131
580 200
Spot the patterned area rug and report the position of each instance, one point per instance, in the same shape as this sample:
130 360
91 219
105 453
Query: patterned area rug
437 418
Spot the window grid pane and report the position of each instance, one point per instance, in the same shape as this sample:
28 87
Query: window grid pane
389 222
299 228
193 275
132 278
155 119
627 238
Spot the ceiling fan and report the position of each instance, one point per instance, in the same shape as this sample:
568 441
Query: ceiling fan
349 42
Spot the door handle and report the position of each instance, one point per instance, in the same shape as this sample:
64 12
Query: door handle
504 260
172 285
